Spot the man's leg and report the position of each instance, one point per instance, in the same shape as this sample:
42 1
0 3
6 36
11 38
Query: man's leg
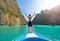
29 29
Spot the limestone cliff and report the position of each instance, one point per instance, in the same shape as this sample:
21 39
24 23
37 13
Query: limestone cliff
51 17
10 13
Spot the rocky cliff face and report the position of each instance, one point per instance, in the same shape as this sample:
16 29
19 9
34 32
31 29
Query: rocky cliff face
10 13
48 16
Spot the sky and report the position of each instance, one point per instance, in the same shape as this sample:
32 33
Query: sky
35 6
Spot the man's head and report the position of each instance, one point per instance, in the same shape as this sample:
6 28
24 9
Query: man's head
29 14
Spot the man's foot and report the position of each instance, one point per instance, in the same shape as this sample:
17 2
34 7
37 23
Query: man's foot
29 32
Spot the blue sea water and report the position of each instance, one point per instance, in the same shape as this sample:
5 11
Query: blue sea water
10 33
50 32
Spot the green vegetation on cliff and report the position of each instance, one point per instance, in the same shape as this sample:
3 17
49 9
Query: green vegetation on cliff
10 13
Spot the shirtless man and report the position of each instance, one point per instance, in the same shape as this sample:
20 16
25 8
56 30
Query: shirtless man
30 22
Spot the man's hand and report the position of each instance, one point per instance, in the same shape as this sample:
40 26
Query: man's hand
33 14
26 14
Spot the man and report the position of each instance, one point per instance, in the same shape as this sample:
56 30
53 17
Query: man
30 22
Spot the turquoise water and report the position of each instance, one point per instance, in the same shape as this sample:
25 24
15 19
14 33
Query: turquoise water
51 32
8 33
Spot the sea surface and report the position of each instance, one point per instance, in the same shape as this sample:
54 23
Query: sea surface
9 33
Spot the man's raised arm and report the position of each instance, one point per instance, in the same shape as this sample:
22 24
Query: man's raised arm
26 14
33 14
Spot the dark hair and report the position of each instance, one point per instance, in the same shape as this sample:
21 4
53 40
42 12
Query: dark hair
29 14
